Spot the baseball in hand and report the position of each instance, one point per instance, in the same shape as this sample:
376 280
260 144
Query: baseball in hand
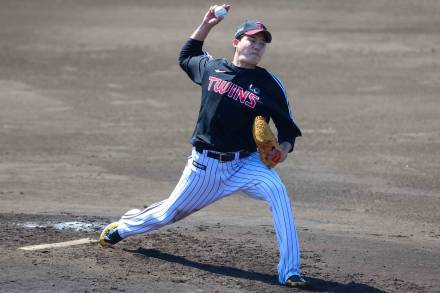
220 11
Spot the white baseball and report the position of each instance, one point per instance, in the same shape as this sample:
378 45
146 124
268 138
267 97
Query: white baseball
220 11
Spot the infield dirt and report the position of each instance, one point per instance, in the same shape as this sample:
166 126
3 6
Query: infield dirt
96 115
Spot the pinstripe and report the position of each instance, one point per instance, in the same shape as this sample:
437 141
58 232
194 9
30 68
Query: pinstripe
206 183
178 193
274 200
285 214
198 188
149 208
155 217
230 188
198 195
278 207
190 192
277 224
280 221
229 170
219 193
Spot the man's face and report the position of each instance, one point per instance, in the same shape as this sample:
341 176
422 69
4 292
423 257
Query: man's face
250 49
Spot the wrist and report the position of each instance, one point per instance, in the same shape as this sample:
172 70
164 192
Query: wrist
286 146
206 25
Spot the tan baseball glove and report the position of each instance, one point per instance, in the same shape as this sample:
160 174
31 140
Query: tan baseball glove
266 141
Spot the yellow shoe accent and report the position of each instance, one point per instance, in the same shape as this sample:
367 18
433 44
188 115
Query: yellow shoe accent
295 284
106 231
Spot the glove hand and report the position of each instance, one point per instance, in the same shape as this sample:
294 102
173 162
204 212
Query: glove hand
270 152
274 155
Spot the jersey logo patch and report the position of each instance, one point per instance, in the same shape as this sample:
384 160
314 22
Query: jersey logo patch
253 89
235 92
198 165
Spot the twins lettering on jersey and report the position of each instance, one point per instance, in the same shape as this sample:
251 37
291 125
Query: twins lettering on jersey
233 91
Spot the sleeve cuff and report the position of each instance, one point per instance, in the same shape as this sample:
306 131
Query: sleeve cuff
196 43
292 143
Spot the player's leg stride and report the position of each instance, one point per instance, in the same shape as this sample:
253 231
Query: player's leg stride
110 235
233 148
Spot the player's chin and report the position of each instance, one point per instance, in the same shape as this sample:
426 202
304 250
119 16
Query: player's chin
253 59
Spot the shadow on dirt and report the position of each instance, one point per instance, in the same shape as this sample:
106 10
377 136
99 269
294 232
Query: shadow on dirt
314 284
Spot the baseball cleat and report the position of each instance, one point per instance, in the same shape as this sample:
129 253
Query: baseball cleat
296 281
110 235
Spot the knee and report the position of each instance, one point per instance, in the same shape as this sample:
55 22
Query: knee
165 215
171 215
277 188
277 194
180 214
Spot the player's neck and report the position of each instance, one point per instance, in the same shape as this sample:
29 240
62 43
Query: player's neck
242 64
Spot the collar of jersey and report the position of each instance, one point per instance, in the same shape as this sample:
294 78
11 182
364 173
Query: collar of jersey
237 68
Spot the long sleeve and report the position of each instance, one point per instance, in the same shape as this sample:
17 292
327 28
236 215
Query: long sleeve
283 116
193 60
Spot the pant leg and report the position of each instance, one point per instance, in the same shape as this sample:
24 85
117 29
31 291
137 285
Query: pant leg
199 185
267 185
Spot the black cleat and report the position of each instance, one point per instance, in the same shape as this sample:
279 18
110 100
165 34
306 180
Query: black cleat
110 235
296 281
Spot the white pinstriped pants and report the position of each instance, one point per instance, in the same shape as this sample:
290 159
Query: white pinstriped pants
206 180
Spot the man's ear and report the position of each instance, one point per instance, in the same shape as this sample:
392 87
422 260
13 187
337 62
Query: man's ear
235 42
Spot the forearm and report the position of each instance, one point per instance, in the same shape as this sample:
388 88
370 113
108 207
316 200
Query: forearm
208 22
201 32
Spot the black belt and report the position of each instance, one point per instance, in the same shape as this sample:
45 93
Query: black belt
224 157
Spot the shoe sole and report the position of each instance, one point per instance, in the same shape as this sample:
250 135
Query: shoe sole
296 284
106 229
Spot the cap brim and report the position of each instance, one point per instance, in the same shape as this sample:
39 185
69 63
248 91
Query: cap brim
266 33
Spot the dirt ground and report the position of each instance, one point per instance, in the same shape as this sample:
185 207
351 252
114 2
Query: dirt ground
96 115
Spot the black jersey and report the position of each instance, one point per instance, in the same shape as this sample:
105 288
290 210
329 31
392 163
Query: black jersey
231 98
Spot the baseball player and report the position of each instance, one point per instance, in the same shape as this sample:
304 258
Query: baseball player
224 155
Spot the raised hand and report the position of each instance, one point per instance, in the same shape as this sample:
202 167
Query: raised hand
210 19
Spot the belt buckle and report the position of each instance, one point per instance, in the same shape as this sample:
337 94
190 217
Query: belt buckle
226 156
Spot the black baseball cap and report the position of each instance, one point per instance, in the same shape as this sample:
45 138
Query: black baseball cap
252 27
